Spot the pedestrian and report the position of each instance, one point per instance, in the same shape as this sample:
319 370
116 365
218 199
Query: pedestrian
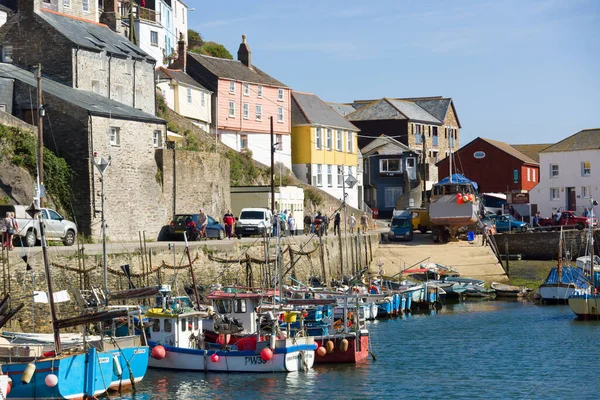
202 222
336 223
352 223
536 220
307 223
228 221
291 224
363 222
586 212
9 230
557 217
485 240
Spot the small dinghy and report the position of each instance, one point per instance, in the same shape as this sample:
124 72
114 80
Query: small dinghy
503 290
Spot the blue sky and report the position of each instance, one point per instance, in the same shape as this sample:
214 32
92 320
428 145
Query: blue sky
518 71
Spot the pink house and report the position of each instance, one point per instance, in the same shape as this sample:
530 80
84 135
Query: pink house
244 100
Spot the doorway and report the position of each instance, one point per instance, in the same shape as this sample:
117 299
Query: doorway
571 199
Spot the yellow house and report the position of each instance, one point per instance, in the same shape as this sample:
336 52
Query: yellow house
324 146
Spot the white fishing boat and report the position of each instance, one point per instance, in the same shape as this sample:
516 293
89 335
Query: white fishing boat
504 290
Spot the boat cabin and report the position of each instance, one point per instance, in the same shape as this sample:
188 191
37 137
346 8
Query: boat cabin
452 188
241 306
174 329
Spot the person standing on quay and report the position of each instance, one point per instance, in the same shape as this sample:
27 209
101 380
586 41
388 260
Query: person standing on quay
228 221
291 222
307 223
485 240
352 223
363 222
336 223
202 222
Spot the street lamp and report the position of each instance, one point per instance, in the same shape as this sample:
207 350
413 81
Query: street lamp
102 165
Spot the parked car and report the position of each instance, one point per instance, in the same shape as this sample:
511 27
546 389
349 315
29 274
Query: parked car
401 227
569 218
254 221
57 227
506 223
213 228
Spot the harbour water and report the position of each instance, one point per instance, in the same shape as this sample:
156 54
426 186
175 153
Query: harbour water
476 350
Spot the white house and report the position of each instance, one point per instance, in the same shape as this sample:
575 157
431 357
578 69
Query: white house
569 174
180 20
185 96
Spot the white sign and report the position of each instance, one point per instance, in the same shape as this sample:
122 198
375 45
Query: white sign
59 297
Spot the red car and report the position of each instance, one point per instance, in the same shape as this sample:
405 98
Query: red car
568 218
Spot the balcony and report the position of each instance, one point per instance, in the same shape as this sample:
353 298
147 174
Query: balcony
139 13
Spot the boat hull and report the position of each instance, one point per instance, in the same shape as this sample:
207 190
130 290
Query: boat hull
287 357
357 352
556 294
586 307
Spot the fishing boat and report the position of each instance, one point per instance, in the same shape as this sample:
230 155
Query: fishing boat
479 291
453 204
504 290
464 281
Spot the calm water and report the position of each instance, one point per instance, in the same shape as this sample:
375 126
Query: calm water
487 350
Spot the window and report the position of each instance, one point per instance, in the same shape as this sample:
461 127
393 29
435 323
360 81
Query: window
195 323
168 325
338 141
183 324
279 114
258 112
189 95
154 38
279 141
554 194
96 86
329 176
119 93
7 54
232 109
259 91
417 133
553 170
350 143
340 176
202 99
318 139
319 175
243 142
390 165
410 167
434 132
246 89
280 95
156 325
246 110
239 306
586 168
528 174
158 142
232 87
533 174
114 135
329 141
67 3
585 192
350 171
391 195
85 6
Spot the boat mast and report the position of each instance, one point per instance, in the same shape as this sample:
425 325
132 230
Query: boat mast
450 169
559 265
187 250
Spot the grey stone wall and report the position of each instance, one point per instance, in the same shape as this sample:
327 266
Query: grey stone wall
9 120
544 245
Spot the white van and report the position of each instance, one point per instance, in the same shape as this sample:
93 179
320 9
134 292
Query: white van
254 221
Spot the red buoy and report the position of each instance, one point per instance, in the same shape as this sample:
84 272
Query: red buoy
266 354
158 352
459 198
9 386
214 358
48 354
321 351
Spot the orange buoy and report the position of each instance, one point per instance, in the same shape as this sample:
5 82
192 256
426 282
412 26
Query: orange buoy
329 346
214 358
9 386
158 352
321 351
344 345
459 198
266 354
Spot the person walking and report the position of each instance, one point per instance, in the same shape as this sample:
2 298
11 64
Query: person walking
485 240
363 222
9 230
336 223
228 222
536 220
291 224
586 212
307 223
202 222
352 223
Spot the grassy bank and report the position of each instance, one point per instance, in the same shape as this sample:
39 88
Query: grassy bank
529 273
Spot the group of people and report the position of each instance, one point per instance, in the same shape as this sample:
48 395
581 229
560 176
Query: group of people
285 222
10 227
320 223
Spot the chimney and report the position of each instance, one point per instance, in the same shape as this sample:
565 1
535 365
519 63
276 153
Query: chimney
244 54
181 60
110 14
28 7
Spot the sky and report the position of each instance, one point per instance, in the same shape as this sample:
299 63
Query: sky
518 71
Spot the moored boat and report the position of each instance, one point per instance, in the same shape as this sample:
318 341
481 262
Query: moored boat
504 290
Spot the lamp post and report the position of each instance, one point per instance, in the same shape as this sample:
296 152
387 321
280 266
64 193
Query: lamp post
102 165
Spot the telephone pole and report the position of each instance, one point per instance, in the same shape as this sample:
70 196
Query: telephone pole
272 166
40 136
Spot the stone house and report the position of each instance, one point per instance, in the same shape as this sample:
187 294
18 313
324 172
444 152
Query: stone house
79 53
324 147
569 174
185 96
391 177
427 124
245 99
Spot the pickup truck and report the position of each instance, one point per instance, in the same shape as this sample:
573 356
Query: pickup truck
568 218
57 228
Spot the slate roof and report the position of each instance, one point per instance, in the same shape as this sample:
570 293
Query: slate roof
532 150
413 112
384 145
317 112
377 110
438 108
234 70
341 108
507 148
179 76
92 35
92 102
587 139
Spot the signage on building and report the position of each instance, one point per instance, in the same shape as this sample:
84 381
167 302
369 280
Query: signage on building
479 155
519 198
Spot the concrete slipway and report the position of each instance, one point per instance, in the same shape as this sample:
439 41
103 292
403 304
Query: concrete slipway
471 259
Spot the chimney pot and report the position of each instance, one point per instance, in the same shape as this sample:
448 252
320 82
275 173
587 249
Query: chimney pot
181 61
244 54
110 14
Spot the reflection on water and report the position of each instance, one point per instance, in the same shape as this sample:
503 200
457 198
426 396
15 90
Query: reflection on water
475 349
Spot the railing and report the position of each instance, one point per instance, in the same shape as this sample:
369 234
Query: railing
139 12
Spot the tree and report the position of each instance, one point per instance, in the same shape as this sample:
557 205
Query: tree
194 39
213 49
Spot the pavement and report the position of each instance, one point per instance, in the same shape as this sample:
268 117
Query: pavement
471 259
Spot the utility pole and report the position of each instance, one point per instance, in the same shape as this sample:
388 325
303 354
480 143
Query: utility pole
40 136
424 194
345 219
272 165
